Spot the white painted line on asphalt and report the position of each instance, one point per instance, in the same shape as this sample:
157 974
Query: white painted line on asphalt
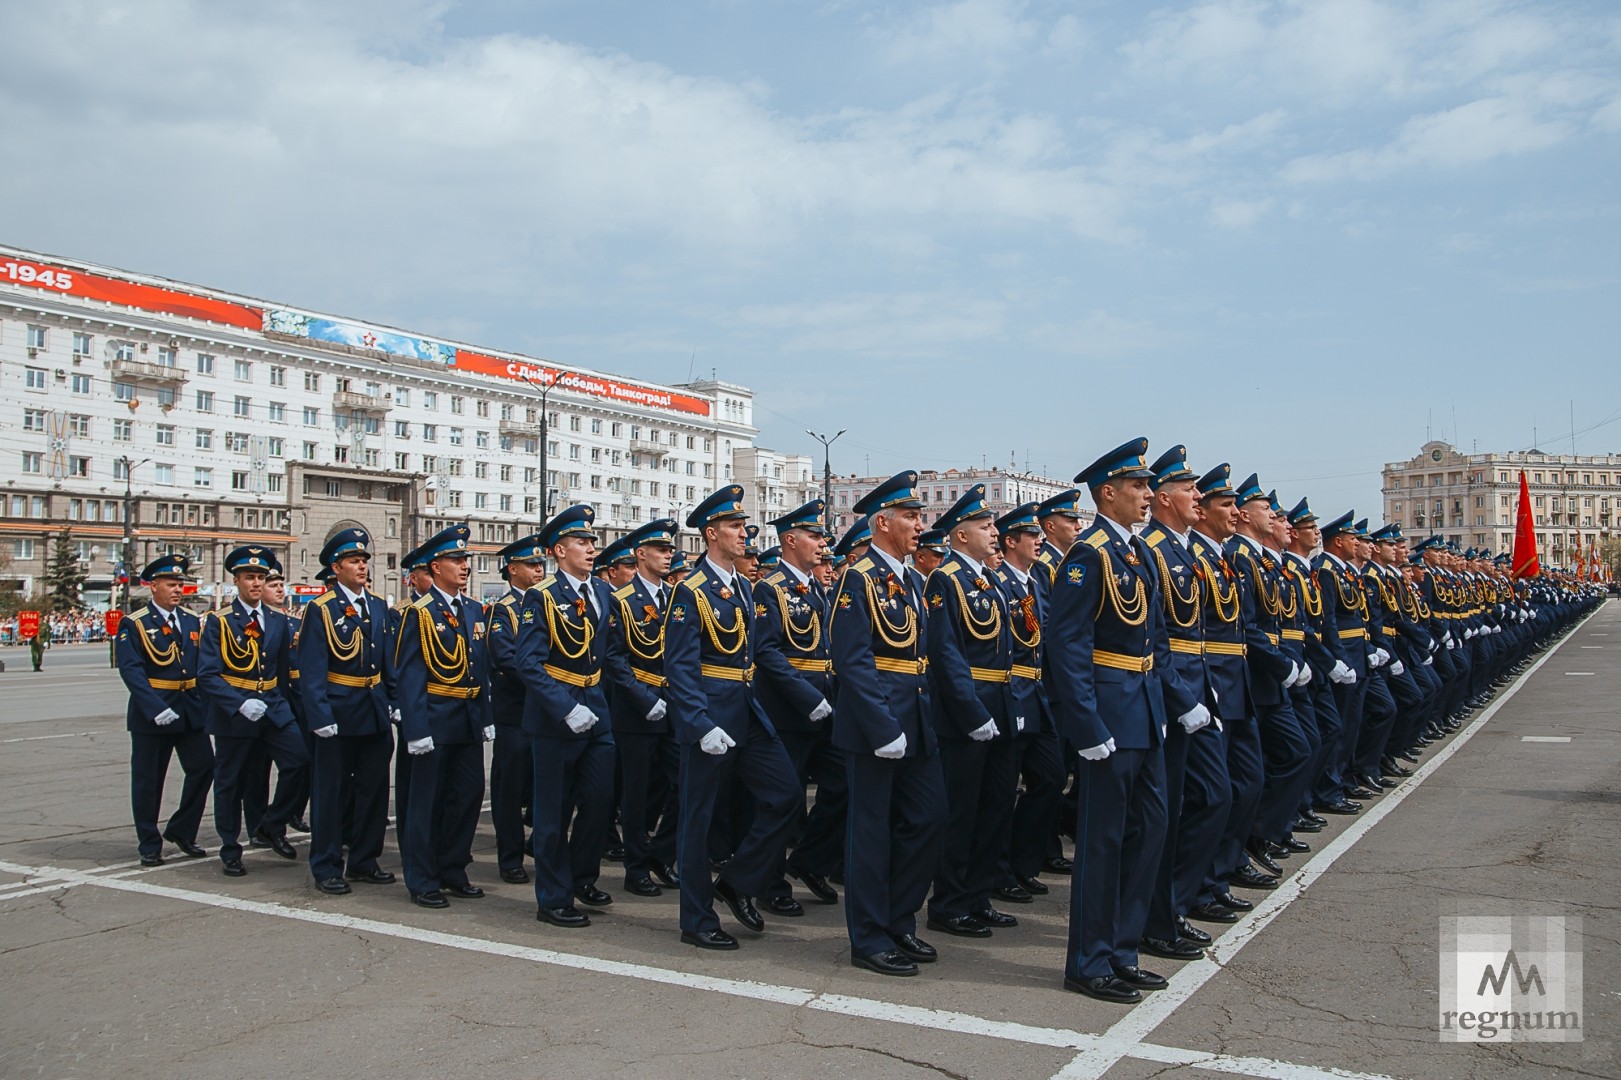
57 886
1544 738
791 996
1578 673
1135 1027
1592 646
64 735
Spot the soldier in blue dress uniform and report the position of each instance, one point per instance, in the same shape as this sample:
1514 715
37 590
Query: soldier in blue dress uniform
881 720
345 684
1192 825
1037 750
156 650
1060 518
441 670
709 662
522 564
796 690
931 552
1304 539
855 541
970 652
416 582
1345 634
243 673
649 761
559 659
1105 639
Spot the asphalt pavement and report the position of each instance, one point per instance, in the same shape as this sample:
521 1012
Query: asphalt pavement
113 970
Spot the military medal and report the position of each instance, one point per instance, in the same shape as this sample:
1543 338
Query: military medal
725 593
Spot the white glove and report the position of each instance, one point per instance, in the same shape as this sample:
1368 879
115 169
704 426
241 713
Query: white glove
1294 675
1452 642
987 730
326 732
656 713
1098 752
1195 718
1018 723
822 711
1342 674
716 741
1396 668
1429 661
1384 657
393 714
252 709
893 750
489 733
167 716
423 745
1216 720
1305 675
580 719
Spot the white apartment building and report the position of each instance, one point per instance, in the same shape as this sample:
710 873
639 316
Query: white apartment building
773 484
228 420
1471 499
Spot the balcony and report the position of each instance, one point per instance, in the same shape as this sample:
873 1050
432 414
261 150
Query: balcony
517 429
656 450
346 401
140 371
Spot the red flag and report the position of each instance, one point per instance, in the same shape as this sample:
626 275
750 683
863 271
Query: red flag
1524 562
1576 558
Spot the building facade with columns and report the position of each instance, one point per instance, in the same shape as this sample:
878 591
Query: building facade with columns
1472 499
222 419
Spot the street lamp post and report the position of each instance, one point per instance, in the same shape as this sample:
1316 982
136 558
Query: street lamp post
545 388
129 525
827 474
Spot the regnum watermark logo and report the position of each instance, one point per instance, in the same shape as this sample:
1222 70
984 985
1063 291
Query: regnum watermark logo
1511 978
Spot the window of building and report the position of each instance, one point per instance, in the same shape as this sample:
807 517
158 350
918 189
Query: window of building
166 397
123 430
22 549
205 363
165 434
453 499
236 442
36 337
430 400
482 408
309 450
275 446
340 454
481 470
481 439
239 480
202 477
312 381
205 401
312 416
242 406
34 378
430 432
481 501
33 461
506 503
402 462
81 383
33 419
278 376
456 434
455 468
277 412
458 404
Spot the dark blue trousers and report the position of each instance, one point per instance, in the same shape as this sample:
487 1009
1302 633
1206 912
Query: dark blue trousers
1286 753
512 777
760 763
441 815
1330 786
349 802
649 803
574 781
233 757
149 755
980 788
820 849
1119 835
896 823
1326 715
1039 764
1162 912
1246 771
1378 718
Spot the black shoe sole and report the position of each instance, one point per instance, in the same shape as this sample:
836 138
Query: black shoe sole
856 961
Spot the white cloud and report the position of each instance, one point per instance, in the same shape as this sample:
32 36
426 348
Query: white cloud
1238 213
983 30
912 324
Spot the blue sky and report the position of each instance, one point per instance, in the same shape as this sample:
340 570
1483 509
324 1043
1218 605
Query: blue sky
1293 236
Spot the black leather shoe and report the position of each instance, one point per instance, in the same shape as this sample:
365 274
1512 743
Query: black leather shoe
516 875
1237 903
466 892
1034 886
642 887
915 947
786 906
569 918
298 824
591 896
188 848
1392 768
710 939
1277 850
742 906
433 898
1343 806
234 868
374 876
1409 756
815 883
1188 932
996 920
1377 784
961 926
1014 894
1213 913
1357 791
333 886
1250 878
665 875
614 854
1132 975
1058 865
1257 851
1295 847
1308 816
893 962
1105 988
1303 825
278 844
1170 950
151 860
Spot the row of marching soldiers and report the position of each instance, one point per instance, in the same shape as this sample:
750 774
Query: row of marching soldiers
1182 687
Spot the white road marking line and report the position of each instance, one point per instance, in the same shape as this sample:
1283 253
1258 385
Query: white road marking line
64 735
790 996
57 886
1135 1027
1592 646
1544 738
1568 673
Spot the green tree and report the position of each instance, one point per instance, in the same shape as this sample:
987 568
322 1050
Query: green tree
1609 555
64 576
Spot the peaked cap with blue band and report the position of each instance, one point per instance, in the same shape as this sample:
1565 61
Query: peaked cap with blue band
249 558
1432 542
1125 462
1064 504
1386 534
970 506
1249 490
1272 500
617 552
173 565
1019 519
1171 467
1217 482
448 543
576 520
324 575
899 492
660 531
413 560
1361 528
527 549
857 534
345 543
724 503
807 517
1301 514
678 562
1341 524
751 542
770 557
933 540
